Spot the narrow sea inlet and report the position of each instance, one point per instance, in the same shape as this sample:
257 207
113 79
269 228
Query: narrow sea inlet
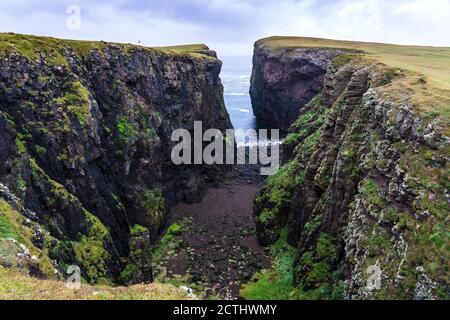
163 150
235 75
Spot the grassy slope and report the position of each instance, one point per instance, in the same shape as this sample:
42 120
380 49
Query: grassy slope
274 283
15 286
12 226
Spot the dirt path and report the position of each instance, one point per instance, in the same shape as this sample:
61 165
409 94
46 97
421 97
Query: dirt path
217 250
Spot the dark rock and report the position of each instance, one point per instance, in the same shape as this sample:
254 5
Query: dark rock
284 80
356 183
95 139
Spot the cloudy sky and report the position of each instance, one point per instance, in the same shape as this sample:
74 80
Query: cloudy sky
230 26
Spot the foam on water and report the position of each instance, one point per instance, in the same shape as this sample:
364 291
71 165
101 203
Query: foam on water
236 74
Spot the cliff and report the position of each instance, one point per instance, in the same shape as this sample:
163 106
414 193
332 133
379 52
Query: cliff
283 81
362 200
85 130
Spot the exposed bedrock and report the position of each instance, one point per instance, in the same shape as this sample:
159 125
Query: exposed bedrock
283 81
362 191
85 144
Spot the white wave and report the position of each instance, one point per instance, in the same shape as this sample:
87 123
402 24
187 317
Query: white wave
236 94
263 143
242 110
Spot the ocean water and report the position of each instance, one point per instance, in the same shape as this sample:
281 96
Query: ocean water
235 75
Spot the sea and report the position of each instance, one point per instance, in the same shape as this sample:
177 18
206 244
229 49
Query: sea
235 75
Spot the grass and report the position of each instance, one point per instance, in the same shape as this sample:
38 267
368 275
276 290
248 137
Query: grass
153 203
138 230
11 226
6 228
168 246
421 74
15 286
433 62
170 240
187 48
274 283
30 45
10 222
126 129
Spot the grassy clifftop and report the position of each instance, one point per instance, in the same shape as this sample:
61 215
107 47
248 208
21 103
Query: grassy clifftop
30 46
432 62
420 75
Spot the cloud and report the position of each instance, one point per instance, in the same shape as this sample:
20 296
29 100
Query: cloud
231 26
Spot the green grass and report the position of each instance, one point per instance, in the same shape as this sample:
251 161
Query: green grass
30 45
6 229
187 48
127 131
75 103
274 283
15 286
138 230
175 229
277 192
433 62
420 75
372 193
10 221
11 226
40 150
292 138
92 256
153 203
21 145
170 240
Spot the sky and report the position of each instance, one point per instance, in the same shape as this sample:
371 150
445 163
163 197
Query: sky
230 26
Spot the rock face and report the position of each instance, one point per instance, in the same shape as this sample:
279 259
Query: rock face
283 81
85 140
364 190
